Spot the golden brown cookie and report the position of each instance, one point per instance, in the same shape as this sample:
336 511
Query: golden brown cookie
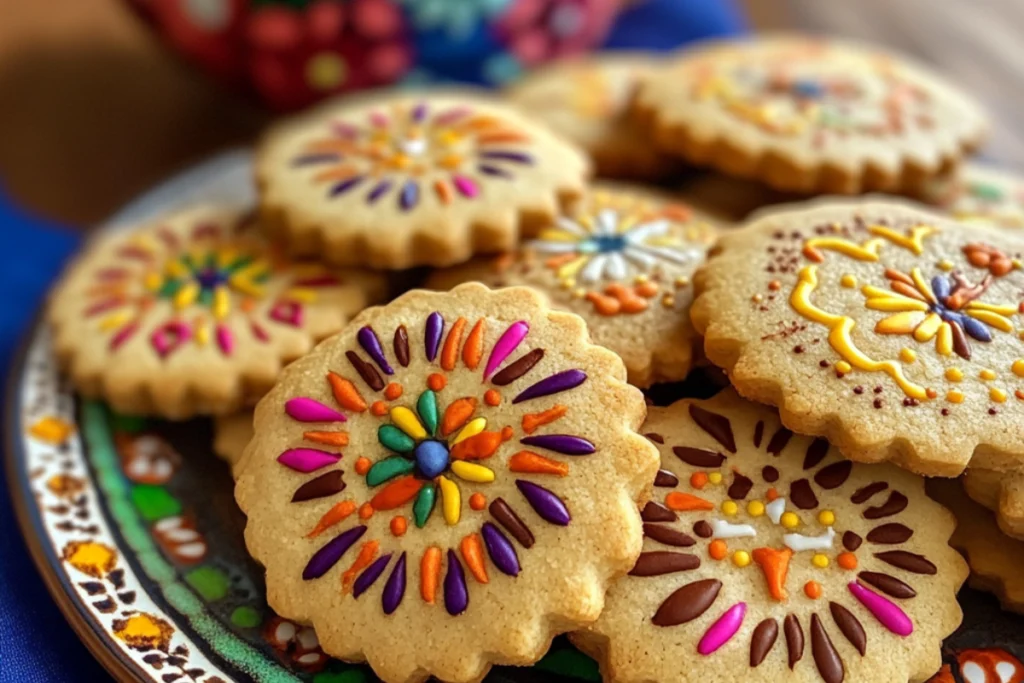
980 194
1001 492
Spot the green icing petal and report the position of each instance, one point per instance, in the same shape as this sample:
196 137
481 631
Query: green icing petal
394 439
427 408
424 505
388 468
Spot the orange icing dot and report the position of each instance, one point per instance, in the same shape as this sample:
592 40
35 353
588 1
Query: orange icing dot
392 391
718 549
533 420
362 465
684 502
646 289
399 525
506 433
430 573
698 480
847 560
436 382
345 393
379 408
775 565
812 589
477 501
771 494
526 461
366 510
492 397
473 351
450 352
337 513
456 415
473 552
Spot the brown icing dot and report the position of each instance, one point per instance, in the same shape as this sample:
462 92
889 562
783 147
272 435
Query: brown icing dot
665 479
834 475
816 452
703 529
763 640
878 389
663 534
687 603
779 440
823 363
699 457
508 518
849 626
829 664
802 496
794 639
945 412
656 512
897 503
878 403
655 437
851 540
658 562
758 433
740 486
901 559
890 534
325 485
888 584
718 426
798 349
992 411
861 495
858 390
770 474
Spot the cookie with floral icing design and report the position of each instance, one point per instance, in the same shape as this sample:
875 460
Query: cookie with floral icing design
622 259
195 313
980 194
586 100
809 115
894 332
1001 492
231 434
405 180
450 464
767 556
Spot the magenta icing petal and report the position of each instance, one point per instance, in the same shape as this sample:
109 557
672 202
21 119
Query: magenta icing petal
432 335
370 575
722 631
379 120
465 186
306 409
225 340
286 312
123 335
549 506
259 332
451 116
168 337
307 460
563 381
394 589
368 340
503 555
886 611
456 598
330 553
508 342
560 443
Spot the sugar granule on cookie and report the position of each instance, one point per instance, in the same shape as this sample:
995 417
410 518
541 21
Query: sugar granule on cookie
767 556
809 115
894 332
194 313
449 463
622 259
401 180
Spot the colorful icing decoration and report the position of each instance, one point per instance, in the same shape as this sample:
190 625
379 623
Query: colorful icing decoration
886 611
722 631
800 542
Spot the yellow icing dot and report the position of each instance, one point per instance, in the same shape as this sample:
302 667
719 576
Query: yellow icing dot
640 279
790 520
1018 368
682 281
757 298
755 508
568 283
954 374
907 355
997 395
987 374
730 507
848 281
954 396
946 264
843 367
668 301
579 292
741 558
715 477
826 518
820 561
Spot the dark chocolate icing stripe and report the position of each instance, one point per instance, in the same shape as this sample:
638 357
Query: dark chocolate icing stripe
331 552
326 484
833 476
763 640
513 371
401 345
365 370
850 627
658 562
896 504
665 479
861 495
901 559
740 486
802 495
830 665
816 452
758 435
656 512
888 584
718 426
780 439
507 518
667 535
687 603
794 639
699 457
890 534
656 438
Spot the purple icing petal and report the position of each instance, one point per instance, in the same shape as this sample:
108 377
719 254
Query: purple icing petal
456 599
432 336
509 340
419 111
549 506
345 185
493 170
410 195
307 159
331 552
369 575
503 555
307 460
517 157
369 341
563 381
306 409
560 443
394 589
378 191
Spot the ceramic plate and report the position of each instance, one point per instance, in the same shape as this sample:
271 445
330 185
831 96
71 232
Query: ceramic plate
133 525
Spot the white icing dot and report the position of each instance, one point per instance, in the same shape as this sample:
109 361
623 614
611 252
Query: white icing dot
973 673
212 15
181 535
190 550
775 509
168 523
284 632
413 146
147 445
799 542
1006 671
723 529
307 639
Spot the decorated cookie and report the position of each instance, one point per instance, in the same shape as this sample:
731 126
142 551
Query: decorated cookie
809 115
447 484
231 434
1001 492
195 313
622 259
730 200
892 331
767 556
980 194
404 180
586 100
995 559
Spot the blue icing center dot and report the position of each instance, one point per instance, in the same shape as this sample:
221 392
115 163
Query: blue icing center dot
607 243
210 278
431 458
808 89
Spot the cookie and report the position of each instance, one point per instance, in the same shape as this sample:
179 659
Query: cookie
195 313
1001 492
809 115
730 200
403 180
231 434
995 559
586 100
767 556
622 259
894 332
980 194
434 489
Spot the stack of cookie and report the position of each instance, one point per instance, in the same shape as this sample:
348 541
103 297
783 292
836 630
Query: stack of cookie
450 479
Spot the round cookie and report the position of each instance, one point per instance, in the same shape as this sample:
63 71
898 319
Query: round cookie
809 115
194 314
231 434
980 194
767 557
433 488
622 259
402 180
1001 492
586 100
893 332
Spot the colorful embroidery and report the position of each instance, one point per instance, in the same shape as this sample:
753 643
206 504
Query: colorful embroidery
410 151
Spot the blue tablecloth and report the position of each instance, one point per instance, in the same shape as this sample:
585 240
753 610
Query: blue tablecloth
36 644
